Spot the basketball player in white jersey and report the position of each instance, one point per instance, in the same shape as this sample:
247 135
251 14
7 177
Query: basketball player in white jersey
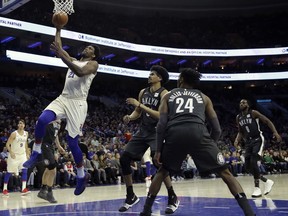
71 104
17 146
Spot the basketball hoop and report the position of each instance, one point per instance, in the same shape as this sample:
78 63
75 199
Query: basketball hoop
64 6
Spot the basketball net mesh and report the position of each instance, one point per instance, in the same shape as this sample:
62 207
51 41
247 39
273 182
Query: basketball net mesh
63 5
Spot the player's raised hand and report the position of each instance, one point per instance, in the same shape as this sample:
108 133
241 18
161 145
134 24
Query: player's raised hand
55 47
126 119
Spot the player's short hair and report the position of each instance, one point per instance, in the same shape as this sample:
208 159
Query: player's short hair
96 50
22 120
190 76
162 72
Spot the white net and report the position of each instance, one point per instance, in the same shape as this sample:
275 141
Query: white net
63 5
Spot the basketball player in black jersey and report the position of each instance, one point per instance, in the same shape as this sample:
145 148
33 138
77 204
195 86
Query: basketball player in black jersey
249 130
183 112
146 107
51 137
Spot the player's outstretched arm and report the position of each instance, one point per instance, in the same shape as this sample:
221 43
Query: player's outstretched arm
269 123
239 134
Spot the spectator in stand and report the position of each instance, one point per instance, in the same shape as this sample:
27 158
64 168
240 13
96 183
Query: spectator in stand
88 167
99 173
191 169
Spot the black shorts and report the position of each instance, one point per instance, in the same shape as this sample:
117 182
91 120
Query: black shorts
140 142
48 153
193 139
254 146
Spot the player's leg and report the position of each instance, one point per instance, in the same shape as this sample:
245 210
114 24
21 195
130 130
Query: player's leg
11 168
147 160
20 161
155 187
237 191
6 181
208 157
135 149
171 159
44 119
75 121
49 173
169 153
258 147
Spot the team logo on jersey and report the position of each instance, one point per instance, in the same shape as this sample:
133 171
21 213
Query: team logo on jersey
220 159
156 94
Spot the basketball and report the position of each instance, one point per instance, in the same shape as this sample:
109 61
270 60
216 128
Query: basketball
60 19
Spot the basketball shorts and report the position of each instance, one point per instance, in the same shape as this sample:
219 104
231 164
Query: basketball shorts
73 110
193 139
139 144
254 146
16 165
48 153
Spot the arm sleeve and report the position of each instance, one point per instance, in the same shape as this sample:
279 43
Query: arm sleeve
160 131
216 129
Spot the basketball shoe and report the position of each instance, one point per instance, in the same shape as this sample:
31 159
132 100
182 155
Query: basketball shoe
268 186
25 192
173 204
129 202
80 185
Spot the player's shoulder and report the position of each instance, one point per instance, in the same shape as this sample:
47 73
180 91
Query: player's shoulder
164 92
13 134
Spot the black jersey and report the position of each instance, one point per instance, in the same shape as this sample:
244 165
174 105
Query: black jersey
249 126
51 133
151 100
185 105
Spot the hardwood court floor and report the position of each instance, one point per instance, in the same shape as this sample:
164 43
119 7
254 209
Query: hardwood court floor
205 197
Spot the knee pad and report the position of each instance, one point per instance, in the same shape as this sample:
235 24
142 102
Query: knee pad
125 161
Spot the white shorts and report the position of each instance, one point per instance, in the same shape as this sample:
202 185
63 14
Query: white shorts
16 165
73 110
147 156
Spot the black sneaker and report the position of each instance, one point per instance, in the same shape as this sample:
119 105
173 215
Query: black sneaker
146 211
129 202
50 197
42 194
173 204
145 214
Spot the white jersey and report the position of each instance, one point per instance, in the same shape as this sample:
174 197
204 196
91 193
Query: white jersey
18 146
77 87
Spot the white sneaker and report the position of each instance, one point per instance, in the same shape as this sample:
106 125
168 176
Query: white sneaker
268 186
257 192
